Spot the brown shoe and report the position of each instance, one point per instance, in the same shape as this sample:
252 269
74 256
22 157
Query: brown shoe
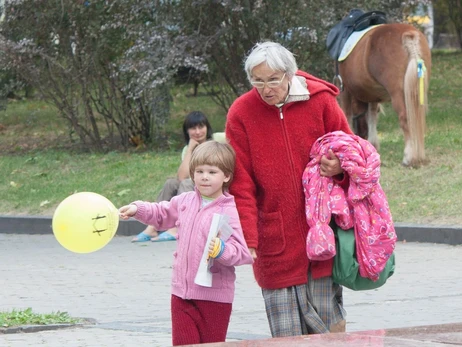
339 327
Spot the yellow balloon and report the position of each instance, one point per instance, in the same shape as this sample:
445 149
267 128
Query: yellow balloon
85 222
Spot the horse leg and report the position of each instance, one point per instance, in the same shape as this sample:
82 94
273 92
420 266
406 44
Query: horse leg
360 126
398 104
355 111
372 116
345 103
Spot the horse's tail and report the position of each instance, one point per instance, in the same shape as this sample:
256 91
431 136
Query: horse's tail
415 95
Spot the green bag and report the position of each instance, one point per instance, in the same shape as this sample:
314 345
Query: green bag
346 267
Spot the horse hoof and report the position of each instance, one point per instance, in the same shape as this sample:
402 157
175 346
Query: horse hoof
413 165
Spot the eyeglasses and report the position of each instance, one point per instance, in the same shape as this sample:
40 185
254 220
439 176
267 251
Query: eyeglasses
270 84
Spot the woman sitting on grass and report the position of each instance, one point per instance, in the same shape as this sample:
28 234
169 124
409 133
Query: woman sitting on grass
196 130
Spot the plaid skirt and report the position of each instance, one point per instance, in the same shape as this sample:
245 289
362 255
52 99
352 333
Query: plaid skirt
310 308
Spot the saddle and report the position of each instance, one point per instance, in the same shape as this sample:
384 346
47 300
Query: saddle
357 20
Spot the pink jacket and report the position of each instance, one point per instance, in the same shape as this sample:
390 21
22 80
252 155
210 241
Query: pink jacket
193 223
363 206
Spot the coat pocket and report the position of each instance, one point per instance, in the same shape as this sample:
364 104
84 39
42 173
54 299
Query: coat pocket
271 240
217 280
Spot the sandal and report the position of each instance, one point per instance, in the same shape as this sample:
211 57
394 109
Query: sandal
141 237
165 236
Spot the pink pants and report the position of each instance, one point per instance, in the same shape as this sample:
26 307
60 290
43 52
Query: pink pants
199 321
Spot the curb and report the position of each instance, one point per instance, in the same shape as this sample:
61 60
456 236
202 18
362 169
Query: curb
36 328
447 234
38 225
33 328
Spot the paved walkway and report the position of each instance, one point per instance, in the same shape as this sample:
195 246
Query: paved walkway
126 288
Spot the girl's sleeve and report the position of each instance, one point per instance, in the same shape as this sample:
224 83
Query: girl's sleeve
236 251
162 215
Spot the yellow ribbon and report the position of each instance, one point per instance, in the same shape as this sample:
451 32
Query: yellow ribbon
421 68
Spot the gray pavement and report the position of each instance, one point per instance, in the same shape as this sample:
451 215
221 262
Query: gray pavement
125 287
447 234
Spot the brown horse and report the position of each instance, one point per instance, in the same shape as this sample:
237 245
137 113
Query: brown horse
385 66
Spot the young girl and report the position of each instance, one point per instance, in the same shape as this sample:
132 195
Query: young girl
200 314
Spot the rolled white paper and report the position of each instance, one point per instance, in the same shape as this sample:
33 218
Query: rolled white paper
219 223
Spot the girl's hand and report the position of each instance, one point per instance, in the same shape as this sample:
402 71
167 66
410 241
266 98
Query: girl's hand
253 253
127 211
330 165
216 248
212 245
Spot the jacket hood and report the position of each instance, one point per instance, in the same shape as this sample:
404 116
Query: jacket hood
316 85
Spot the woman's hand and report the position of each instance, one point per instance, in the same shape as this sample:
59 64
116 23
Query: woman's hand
330 165
192 145
127 211
253 253
183 169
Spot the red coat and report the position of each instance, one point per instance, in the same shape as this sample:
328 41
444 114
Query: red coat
271 155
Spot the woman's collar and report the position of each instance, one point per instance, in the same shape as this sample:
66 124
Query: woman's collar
298 87
298 91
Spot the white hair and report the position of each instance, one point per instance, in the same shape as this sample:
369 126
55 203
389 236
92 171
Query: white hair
277 57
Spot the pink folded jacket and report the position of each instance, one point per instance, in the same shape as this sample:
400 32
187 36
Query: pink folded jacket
364 206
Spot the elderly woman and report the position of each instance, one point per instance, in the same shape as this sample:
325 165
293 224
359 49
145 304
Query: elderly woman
272 128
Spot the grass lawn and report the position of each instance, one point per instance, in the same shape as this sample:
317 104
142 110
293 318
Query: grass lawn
39 168
28 317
